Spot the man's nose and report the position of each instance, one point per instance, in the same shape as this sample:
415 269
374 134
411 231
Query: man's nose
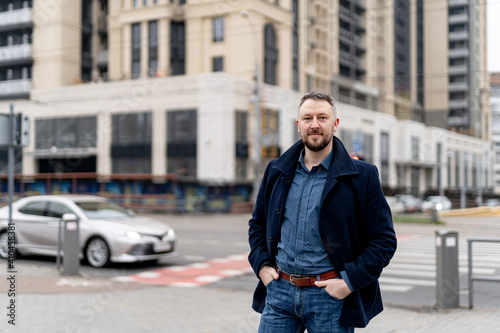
315 123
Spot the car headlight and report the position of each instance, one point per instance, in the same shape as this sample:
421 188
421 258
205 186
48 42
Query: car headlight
133 235
171 233
439 206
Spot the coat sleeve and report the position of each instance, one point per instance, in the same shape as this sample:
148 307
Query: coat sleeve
379 238
259 255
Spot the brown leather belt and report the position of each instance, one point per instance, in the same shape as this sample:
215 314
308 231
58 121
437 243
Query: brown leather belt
306 280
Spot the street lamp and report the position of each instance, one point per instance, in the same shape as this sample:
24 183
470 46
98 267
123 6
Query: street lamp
257 145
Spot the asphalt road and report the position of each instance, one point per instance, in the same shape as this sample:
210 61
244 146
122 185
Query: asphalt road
408 280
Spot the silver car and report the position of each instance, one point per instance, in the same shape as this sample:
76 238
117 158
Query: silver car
108 233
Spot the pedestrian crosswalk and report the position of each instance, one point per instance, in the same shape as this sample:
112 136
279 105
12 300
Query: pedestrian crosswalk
414 263
194 275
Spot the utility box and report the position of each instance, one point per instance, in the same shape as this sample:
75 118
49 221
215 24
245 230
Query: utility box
447 279
71 244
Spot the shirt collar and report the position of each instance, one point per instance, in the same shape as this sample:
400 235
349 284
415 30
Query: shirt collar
325 163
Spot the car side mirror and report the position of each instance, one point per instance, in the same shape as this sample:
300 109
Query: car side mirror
69 217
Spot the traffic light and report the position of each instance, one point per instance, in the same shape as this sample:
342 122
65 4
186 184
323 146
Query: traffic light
22 132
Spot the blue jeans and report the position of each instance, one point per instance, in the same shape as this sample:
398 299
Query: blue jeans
291 309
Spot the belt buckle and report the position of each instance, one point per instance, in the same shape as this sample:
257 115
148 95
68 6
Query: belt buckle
294 277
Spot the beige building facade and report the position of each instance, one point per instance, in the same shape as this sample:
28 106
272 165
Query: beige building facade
414 67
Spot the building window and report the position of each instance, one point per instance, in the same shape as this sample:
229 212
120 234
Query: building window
270 55
177 48
218 29
439 163
217 64
153 48
415 180
466 169
134 3
457 169
78 132
269 136
415 148
241 145
131 145
384 158
136 50
449 168
181 142
295 46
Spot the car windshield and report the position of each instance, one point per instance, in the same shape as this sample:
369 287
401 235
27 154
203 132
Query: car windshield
101 209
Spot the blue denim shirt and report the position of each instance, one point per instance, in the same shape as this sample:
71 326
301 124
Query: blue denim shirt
300 249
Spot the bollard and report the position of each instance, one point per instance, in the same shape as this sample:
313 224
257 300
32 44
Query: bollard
71 245
447 283
434 214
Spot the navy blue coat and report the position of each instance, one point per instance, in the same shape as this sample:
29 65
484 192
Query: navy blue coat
355 225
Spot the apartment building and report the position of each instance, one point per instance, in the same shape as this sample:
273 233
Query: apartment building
454 62
145 69
495 124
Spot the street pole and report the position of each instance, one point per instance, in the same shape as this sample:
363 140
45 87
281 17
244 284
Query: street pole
257 132
256 182
10 181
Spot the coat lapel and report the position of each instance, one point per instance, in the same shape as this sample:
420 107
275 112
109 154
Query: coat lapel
341 165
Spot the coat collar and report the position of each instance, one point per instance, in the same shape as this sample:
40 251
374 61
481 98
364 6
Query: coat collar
340 165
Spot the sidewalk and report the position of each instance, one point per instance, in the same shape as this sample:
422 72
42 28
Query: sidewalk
46 301
203 310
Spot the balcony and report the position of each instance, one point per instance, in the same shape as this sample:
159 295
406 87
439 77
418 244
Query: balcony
459 18
453 3
458 121
15 54
102 59
458 86
460 69
345 34
346 58
458 53
458 35
15 88
360 63
360 4
459 104
360 42
16 19
345 14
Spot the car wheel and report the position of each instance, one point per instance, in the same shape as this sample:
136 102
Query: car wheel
97 252
4 245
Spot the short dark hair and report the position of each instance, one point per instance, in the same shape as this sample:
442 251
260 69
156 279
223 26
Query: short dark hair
320 96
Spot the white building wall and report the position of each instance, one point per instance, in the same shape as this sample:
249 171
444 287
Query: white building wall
217 97
216 129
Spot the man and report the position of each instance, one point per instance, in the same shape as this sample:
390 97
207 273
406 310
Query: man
321 232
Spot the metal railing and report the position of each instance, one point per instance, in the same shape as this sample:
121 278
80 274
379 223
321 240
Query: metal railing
472 277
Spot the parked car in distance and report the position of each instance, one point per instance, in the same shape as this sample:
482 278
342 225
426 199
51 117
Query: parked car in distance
107 232
410 202
436 202
396 205
492 202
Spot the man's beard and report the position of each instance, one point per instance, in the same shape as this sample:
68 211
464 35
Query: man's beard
317 145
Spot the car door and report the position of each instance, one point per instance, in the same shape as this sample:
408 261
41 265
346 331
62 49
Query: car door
55 211
31 225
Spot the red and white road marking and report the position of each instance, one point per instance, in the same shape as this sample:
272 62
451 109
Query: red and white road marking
407 238
194 275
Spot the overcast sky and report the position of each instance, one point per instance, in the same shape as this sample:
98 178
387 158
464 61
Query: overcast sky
493 35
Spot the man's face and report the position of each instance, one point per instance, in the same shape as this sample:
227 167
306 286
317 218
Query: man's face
316 124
